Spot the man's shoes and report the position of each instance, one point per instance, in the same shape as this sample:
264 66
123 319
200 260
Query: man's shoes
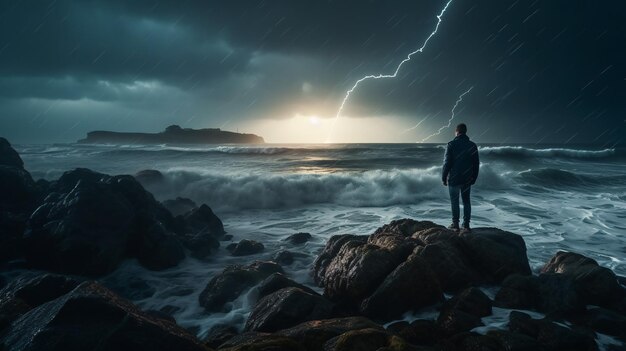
466 229
454 226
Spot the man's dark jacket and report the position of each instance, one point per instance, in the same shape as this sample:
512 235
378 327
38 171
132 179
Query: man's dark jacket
460 164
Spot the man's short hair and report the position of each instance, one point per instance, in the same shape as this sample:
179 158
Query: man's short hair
461 128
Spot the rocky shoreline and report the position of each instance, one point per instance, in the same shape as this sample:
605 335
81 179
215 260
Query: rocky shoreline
65 234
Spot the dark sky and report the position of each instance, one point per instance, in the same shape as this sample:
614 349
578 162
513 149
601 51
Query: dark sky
542 71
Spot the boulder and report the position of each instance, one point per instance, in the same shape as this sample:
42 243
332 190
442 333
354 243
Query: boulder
12 226
91 317
450 264
463 312
219 335
8 155
245 247
158 249
254 341
200 244
180 206
471 300
29 291
89 222
418 332
232 282
333 245
497 253
314 334
452 322
603 321
203 220
20 193
596 285
298 238
515 342
369 339
553 294
20 196
85 231
406 264
551 335
357 270
470 341
279 281
283 257
201 231
287 307
411 285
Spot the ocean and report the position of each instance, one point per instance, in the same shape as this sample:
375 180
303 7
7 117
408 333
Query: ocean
557 197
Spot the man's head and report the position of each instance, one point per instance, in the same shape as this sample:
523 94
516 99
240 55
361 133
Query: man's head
461 129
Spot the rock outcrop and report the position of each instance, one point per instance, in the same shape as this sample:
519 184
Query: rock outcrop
408 264
298 238
201 231
314 334
567 283
245 247
90 317
29 291
89 222
232 282
20 195
287 307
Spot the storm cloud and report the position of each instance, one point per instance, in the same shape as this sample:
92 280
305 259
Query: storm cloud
541 71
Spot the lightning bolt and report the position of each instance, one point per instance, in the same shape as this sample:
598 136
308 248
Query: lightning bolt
458 101
383 76
415 126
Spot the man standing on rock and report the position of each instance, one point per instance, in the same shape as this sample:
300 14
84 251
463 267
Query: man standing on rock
460 171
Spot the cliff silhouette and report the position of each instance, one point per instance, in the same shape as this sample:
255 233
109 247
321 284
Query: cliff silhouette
174 135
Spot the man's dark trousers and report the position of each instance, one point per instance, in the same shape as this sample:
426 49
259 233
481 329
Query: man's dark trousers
454 201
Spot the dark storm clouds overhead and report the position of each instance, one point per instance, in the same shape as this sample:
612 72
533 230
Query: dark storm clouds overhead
542 71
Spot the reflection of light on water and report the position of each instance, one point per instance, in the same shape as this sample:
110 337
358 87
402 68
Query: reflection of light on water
316 170
320 170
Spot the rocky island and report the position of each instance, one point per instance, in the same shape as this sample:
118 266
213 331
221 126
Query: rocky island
173 135
59 238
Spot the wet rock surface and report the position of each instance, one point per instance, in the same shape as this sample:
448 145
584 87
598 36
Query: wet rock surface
30 291
287 307
180 205
20 195
245 247
91 317
232 282
408 264
279 281
298 238
87 222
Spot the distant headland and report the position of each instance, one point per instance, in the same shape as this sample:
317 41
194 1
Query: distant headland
173 135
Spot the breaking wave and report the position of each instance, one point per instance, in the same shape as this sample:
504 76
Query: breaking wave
260 191
523 152
557 178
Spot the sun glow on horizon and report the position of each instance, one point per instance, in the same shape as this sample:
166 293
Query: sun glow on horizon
313 129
